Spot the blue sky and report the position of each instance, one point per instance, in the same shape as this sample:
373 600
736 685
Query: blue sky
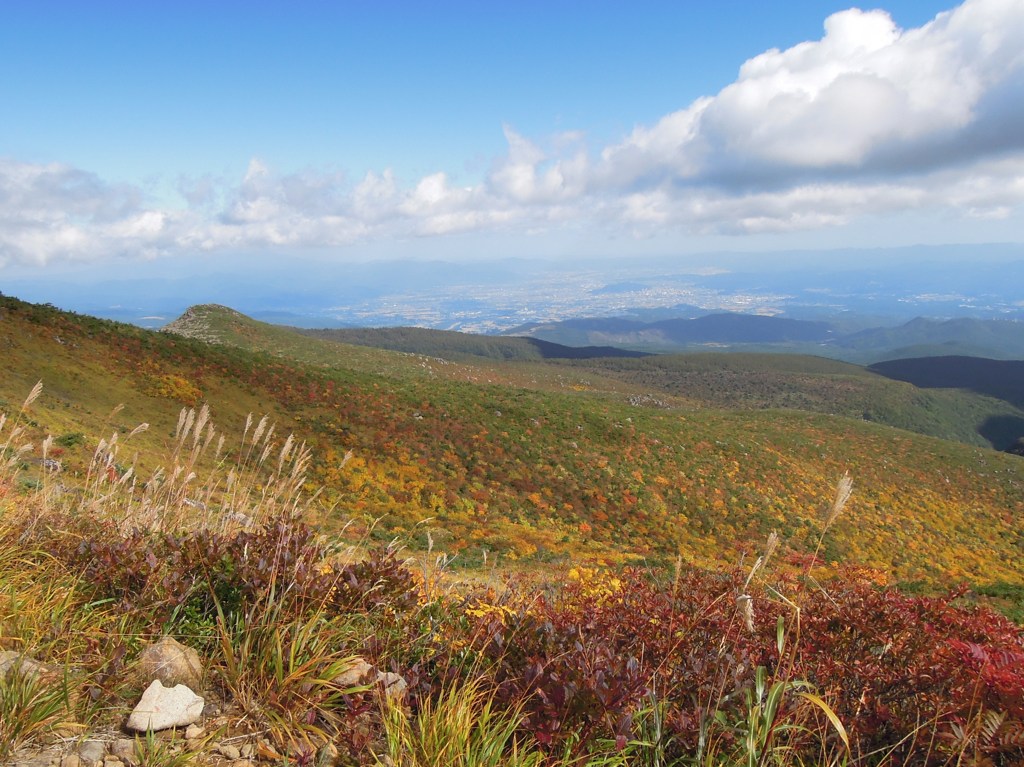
353 130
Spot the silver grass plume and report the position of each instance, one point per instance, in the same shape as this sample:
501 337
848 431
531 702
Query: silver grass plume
32 396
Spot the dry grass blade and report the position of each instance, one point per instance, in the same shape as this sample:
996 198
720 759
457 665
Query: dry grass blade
844 488
32 396
138 430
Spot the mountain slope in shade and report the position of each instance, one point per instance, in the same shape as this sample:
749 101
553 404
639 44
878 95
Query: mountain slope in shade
999 379
1003 379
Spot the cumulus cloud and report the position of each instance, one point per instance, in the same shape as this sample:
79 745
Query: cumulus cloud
869 119
848 104
55 211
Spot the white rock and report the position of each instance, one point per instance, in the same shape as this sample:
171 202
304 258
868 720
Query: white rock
163 707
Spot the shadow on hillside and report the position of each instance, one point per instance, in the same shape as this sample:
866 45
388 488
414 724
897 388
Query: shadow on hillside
1002 379
552 351
1002 431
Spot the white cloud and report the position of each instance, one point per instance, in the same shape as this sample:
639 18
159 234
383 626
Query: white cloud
849 102
868 120
528 176
55 212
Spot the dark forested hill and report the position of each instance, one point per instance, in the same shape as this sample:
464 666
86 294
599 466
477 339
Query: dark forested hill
1003 379
999 379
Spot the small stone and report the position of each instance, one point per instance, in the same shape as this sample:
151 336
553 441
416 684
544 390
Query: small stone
394 685
8 659
71 760
267 752
112 761
242 763
162 708
194 732
248 750
124 750
357 674
92 751
172 663
12 662
32 758
228 751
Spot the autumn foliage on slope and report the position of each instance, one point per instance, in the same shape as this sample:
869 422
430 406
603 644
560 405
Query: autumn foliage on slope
537 477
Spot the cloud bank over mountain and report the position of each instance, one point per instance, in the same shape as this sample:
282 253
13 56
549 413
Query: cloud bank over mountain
869 119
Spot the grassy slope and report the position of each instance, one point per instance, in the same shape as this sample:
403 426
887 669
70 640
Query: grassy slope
541 473
445 362
735 381
454 345
816 384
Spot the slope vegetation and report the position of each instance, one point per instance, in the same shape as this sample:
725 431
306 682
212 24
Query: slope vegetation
880 393
532 474
748 381
454 345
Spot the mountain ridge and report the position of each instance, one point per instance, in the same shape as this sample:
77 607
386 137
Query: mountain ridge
994 338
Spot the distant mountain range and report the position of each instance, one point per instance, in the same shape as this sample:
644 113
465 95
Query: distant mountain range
996 339
849 289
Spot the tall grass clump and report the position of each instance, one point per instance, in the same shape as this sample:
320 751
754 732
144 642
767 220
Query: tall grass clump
29 707
462 726
202 482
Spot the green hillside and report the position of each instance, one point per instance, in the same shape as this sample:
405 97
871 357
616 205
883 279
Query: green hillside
997 339
746 381
454 345
762 381
548 471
